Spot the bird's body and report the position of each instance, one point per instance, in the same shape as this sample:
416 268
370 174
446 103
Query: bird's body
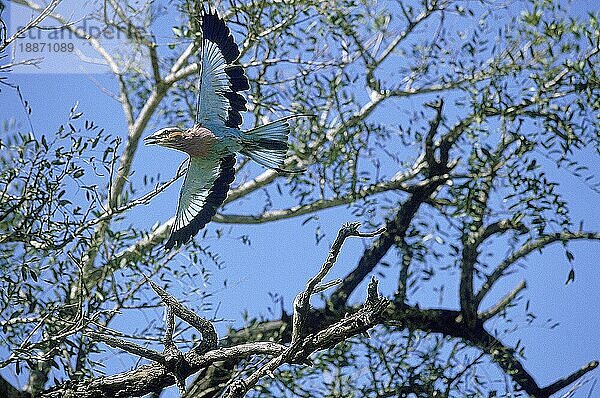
200 142
215 138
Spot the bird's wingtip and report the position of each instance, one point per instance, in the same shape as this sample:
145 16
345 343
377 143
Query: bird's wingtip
171 243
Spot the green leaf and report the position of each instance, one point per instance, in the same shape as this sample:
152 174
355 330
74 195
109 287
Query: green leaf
571 277
570 256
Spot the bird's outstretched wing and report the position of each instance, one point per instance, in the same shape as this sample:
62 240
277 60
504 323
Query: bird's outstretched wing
221 78
204 190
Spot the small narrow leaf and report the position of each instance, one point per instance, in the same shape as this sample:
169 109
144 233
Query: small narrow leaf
571 277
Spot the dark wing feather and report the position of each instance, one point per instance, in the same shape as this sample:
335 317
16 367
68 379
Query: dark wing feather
204 190
221 79
215 30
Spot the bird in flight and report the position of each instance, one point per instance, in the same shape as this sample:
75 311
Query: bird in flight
216 136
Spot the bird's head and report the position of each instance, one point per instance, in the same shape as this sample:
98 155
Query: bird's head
170 137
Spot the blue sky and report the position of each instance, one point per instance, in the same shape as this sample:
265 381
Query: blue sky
283 254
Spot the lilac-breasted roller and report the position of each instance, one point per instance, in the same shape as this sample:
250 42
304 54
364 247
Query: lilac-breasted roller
215 137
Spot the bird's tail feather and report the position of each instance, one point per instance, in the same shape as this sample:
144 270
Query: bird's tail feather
267 145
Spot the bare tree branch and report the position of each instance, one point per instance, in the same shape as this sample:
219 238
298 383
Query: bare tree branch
34 22
127 346
527 249
209 335
503 303
155 377
302 301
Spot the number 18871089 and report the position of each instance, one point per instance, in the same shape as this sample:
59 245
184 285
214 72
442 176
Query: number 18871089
39 47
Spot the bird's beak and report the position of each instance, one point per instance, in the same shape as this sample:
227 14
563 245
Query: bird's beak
151 140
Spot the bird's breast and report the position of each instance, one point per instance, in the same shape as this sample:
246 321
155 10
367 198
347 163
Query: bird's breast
200 142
